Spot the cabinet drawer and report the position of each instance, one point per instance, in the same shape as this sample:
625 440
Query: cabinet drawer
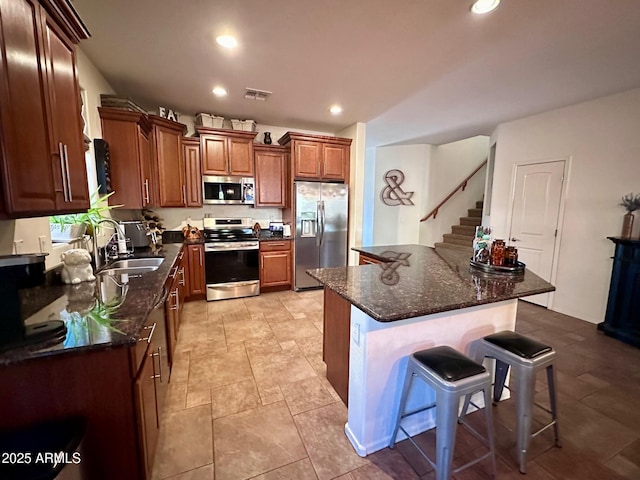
139 352
275 246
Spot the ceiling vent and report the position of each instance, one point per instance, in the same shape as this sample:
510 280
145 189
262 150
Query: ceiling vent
255 94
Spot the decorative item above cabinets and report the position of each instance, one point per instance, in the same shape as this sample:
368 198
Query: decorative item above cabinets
317 157
226 152
42 155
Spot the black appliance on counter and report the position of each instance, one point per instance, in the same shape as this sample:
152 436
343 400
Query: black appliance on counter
231 254
18 272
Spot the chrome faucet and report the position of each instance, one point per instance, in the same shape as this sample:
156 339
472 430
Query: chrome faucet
122 242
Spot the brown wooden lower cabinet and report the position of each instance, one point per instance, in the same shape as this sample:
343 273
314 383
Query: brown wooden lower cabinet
147 409
275 264
335 343
196 280
364 259
120 391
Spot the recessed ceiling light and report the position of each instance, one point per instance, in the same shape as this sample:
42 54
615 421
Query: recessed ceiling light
484 6
227 41
335 109
219 92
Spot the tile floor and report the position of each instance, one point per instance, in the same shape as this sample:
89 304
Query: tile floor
248 399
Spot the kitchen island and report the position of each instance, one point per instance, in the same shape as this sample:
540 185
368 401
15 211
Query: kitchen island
377 315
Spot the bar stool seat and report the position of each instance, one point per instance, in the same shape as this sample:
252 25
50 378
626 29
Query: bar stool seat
525 357
453 376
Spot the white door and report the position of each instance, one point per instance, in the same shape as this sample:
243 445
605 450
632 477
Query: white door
534 218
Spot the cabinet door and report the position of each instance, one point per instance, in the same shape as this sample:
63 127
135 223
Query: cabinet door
183 285
170 309
146 407
129 150
171 185
27 168
270 179
334 162
196 280
366 260
66 117
241 156
214 152
306 159
275 268
193 174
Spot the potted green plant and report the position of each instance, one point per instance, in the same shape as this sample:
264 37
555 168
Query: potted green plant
74 225
631 203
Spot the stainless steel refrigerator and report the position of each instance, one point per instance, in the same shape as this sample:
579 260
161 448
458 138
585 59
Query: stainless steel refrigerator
321 229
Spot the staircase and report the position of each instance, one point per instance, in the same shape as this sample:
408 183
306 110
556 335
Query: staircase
461 236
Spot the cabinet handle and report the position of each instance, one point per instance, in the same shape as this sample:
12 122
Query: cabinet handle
177 300
184 194
200 255
273 244
66 164
175 295
148 339
181 282
175 271
62 172
160 361
262 262
146 191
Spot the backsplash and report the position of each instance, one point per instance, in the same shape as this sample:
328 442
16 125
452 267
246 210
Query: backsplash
176 218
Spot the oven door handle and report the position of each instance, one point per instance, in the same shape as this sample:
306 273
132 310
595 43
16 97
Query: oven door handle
231 284
234 249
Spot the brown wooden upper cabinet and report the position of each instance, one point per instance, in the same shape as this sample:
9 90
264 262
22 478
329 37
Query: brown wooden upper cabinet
193 170
42 166
166 149
132 177
316 157
226 152
271 175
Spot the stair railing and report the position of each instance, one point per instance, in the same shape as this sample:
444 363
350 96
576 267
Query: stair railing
433 213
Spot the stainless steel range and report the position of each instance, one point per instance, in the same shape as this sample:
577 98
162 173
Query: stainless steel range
230 258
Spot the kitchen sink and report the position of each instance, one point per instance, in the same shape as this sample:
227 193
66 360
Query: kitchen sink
137 262
128 270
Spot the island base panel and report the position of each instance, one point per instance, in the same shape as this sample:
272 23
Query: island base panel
335 347
378 360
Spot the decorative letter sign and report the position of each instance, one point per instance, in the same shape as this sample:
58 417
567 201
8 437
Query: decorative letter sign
392 194
168 114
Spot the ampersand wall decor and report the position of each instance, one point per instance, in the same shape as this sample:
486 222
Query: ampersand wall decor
392 194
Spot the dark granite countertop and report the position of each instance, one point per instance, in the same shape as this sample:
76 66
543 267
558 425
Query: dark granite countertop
417 280
105 313
267 236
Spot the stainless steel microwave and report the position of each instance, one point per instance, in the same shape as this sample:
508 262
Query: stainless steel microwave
227 190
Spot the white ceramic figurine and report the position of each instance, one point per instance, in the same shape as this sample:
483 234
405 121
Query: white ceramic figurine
77 266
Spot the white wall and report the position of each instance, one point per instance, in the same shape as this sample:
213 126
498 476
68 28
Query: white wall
357 133
600 138
394 225
449 165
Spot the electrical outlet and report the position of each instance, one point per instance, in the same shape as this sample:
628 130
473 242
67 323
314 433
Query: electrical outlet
42 240
17 246
355 333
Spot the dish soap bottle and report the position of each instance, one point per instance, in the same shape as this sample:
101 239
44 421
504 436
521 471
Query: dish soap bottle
220 194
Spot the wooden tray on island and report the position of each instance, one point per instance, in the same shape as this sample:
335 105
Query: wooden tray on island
517 269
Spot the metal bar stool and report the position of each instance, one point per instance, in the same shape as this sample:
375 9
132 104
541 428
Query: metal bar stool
526 357
453 376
